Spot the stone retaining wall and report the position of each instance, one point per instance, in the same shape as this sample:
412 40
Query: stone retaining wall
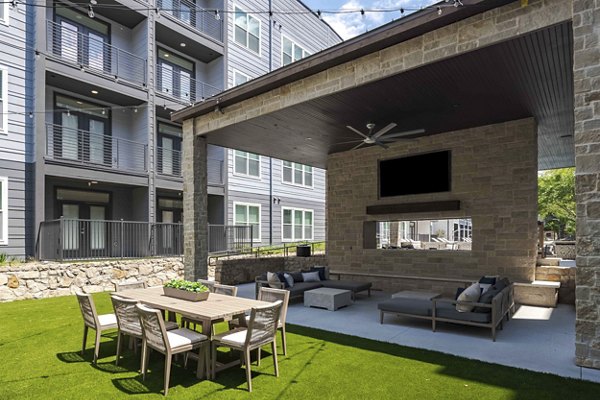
565 250
234 271
564 275
50 279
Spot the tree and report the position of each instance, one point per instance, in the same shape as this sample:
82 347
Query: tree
556 200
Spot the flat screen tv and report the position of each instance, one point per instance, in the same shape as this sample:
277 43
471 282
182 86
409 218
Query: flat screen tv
423 173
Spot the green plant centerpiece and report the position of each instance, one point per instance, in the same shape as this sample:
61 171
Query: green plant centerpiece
186 290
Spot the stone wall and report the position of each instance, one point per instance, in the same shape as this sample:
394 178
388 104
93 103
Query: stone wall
565 250
49 279
494 175
586 75
565 275
234 271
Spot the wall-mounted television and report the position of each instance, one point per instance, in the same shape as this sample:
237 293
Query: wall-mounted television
423 173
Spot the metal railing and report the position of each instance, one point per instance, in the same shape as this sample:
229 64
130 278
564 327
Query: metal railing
215 171
230 238
80 239
84 147
181 86
92 52
168 162
190 14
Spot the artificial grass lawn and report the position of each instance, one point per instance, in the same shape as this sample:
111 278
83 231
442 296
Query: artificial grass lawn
40 342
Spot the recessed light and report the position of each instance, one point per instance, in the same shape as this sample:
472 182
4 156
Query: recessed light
167 55
182 44
79 102
94 92
308 138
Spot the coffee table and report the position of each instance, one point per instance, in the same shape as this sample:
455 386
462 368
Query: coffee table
328 298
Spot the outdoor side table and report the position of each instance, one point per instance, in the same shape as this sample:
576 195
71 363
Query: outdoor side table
328 298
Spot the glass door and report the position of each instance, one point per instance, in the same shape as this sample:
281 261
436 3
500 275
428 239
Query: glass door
69 137
96 146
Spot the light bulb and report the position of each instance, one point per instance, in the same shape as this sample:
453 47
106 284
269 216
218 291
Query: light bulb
439 12
217 15
91 11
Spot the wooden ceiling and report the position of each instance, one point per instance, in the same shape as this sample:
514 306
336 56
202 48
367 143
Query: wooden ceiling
530 75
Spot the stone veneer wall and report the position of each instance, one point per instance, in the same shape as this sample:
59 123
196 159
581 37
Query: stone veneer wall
234 271
494 175
586 75
49 279
565 275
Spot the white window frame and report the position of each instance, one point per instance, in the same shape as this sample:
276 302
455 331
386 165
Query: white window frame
4 94
236 72
237 203
305 53
292 182
4 222
294 238
246 175
248 16
4 20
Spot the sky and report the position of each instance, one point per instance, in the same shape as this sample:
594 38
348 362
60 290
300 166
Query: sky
348 25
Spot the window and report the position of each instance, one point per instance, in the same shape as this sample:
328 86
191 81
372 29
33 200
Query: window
4 13
3 99
291 52
247 164
297 224
247 30
3 210
248 214
440 234
297 174
175 76
169 149
239 78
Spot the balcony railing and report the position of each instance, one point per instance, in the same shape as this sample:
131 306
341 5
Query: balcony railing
215 171
79 239
193 16
168 162
181 86
92 52
87 148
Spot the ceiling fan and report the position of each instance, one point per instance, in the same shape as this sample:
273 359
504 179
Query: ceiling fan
381 137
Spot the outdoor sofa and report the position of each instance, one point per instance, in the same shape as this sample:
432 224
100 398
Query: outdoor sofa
484 314
299 287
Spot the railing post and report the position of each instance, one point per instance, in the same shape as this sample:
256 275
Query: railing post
60 237
122 230
117 62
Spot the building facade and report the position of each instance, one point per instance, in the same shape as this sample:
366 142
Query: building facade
103 82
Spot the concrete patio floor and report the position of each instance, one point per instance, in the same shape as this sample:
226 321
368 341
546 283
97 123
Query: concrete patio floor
536 338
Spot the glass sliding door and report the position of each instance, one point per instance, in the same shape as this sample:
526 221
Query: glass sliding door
69 136
176 76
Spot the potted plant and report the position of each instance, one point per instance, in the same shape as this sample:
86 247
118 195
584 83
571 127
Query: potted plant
186 290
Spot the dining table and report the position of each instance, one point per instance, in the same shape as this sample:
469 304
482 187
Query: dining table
216 308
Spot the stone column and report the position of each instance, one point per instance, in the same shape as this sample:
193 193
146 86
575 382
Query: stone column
586 71
195 204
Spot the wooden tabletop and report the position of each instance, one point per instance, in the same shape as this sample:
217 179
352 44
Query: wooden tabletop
216 307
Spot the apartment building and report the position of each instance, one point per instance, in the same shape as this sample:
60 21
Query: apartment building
91 125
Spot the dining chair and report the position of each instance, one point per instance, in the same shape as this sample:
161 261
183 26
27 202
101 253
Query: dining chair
225 289
91 319
128 322
209 284
272 295
119 287
169 343
261 330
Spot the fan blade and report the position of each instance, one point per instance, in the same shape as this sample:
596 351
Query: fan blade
356 131
359 145
349 141
405 133
384 130
377 142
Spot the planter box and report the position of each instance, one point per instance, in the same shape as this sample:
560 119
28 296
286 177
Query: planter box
184 294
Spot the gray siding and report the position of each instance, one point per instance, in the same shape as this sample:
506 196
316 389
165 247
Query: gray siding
13 140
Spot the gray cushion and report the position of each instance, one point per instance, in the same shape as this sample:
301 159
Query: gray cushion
347 285
406 306
301 287
297 276
487 299
446 310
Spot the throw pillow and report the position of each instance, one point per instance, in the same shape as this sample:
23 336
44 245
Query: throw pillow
297 276
488 279
273 279
320 270
311 276
471 294
282 279
458 292
487 299
289 279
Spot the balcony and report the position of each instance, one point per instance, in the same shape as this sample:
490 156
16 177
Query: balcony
181 87
192 16
76 146
169 163
92 53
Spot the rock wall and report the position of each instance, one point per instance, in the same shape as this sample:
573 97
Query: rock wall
565 275
50 279
234 271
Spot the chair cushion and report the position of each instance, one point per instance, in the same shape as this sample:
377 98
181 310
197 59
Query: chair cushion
446 310
107 321
470 294
301 287
184 337
347 285
235 337
171 325
406 306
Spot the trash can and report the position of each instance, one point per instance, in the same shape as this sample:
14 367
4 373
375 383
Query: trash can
303 250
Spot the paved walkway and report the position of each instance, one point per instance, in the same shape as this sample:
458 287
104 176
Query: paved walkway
538 339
